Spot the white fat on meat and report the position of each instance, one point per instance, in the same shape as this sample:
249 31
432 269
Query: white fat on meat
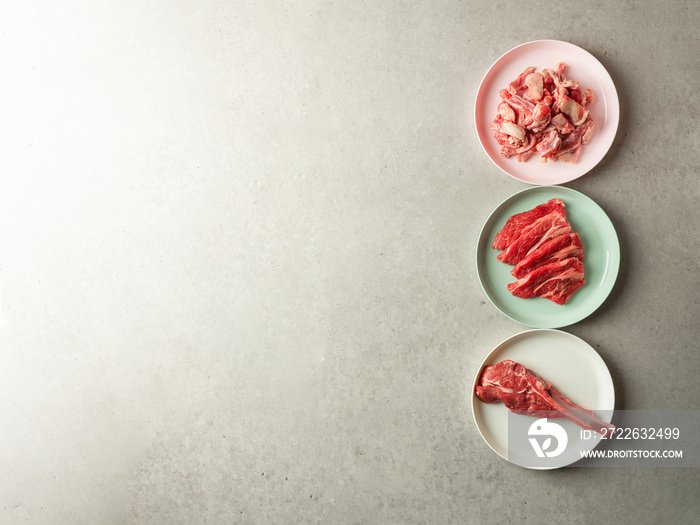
509 128
575 112
506 112
549 145
535 86
570 148
519 83
562 124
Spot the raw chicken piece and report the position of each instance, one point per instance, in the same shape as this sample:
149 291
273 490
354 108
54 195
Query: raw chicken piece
509 128
541 115
526 150
535 86
516 101
563 126
548 146
519 83
548 79
570 155
521 152
523 109
574 111
580 135
558 98
582 96
505 112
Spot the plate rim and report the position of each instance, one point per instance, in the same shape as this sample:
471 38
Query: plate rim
533 332
612 109
605 293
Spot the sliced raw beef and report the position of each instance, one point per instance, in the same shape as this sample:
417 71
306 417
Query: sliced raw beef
524 392
546 253
555 249
540 231
515 225
555 281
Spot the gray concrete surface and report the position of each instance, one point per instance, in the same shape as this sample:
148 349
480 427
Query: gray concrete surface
237 280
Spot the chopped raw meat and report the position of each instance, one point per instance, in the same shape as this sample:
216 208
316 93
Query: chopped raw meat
522 391
506 112
535 101
558 98
546 253
555 281
571 143
573 111
515 225
509 128
570 155
553 250
524 151
548 77
519 83
541 115
582 96
519 102
535 86
549 145
563 126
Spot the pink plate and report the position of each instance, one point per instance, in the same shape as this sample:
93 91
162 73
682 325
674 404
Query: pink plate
581 66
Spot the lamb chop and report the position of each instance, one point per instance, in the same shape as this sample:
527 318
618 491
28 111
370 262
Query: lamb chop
524 392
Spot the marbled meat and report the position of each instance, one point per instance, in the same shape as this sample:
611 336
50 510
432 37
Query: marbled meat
522 391
545 252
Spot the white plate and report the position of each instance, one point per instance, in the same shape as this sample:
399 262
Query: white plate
570 364
580 66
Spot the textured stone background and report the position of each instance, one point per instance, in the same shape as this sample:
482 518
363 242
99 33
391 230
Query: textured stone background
236 269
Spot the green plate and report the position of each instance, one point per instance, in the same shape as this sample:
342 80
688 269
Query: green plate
601 250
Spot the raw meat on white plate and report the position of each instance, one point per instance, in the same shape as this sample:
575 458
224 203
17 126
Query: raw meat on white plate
524 392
